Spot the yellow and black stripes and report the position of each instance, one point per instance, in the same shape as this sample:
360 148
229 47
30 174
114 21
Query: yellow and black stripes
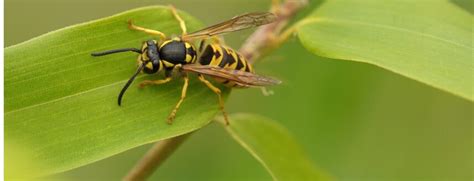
224 57
221 56
191 54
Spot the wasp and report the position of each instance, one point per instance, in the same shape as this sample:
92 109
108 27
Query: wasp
212 59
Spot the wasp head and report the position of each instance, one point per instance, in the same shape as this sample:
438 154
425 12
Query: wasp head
148 61
150 57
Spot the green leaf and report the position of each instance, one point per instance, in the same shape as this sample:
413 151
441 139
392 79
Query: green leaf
429 41
61 103
273 146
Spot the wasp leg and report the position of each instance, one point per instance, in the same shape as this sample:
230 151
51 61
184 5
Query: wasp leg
149 31
183 95
154 82
219 95
180 20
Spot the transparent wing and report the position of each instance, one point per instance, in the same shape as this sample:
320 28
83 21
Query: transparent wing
242 78
237 23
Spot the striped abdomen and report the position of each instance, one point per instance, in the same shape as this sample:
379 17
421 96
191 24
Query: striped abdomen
224 57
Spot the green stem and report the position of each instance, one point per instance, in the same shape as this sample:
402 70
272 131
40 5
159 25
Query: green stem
155 157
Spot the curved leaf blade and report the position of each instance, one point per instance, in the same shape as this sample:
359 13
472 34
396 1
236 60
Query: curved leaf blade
429 41
61 103
273 146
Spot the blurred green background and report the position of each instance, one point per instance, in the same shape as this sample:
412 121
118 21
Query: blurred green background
357 121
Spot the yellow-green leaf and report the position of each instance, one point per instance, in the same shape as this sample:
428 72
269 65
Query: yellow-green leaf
61 103
273 146
429 41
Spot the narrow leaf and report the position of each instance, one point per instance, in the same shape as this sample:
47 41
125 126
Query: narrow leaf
61 103
429 41
273 146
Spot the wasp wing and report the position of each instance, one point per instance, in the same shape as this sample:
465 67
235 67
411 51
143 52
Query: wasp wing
242 78
237 23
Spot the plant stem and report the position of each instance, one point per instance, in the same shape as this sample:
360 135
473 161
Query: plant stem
155 157
269 37
262 40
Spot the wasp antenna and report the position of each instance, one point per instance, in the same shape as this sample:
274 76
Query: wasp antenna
116 51
140 68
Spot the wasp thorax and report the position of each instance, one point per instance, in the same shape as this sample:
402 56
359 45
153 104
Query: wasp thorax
176 51
150 57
